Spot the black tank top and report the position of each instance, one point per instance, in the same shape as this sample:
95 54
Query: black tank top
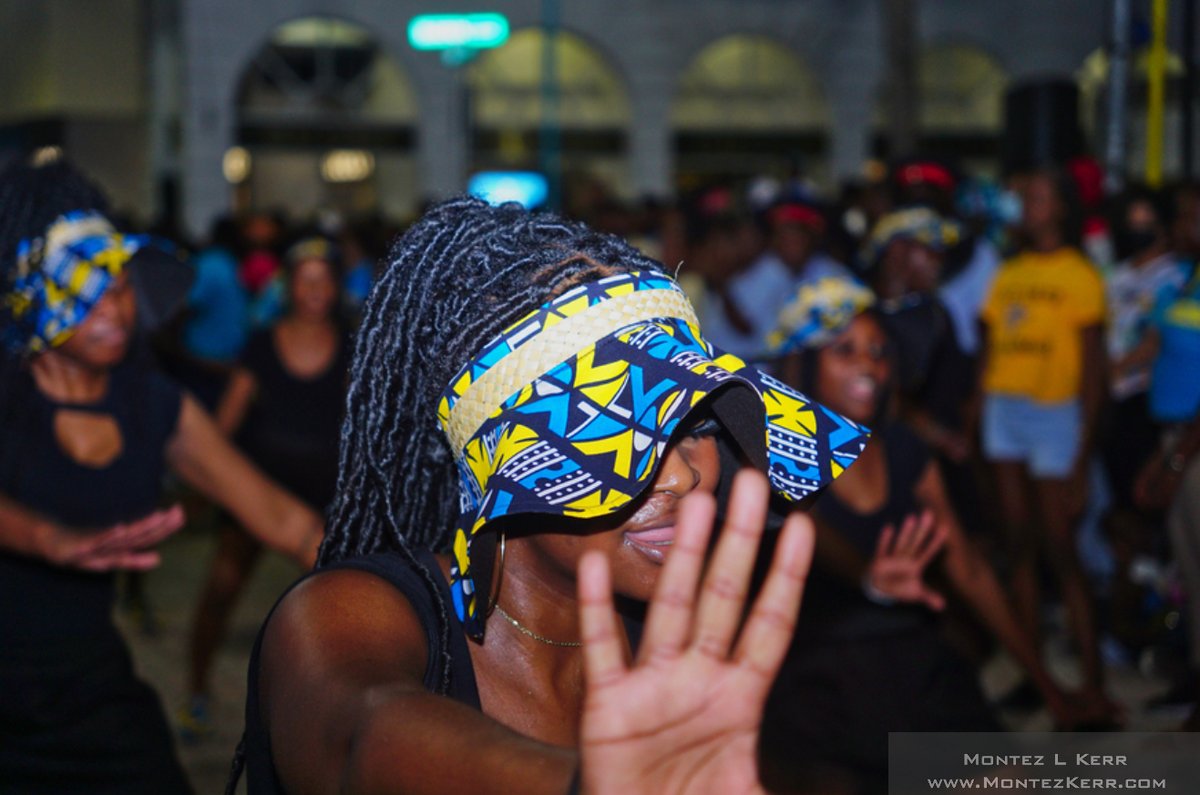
833 607
261 778
40 603
293 426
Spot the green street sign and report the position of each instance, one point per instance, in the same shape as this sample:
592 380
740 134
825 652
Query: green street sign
457 31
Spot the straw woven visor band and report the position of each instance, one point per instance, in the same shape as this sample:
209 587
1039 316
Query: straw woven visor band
548 345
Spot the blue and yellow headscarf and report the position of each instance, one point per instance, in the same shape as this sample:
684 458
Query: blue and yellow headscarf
60 276
569 411
819 311
922 224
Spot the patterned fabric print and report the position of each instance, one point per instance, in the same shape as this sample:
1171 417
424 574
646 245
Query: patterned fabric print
915 223
569 304
60 277
585 438
820 310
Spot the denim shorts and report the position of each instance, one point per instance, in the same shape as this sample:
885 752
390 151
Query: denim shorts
1045 436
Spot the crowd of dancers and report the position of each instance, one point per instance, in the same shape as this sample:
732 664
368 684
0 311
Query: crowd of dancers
1025 358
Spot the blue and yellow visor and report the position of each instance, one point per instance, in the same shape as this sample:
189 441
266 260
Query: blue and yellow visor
60 276
569 411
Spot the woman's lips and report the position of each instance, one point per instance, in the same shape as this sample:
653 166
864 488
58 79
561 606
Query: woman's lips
652 542
862 389
109 334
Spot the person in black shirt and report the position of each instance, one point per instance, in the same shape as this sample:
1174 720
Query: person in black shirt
88 428
868 657
284 407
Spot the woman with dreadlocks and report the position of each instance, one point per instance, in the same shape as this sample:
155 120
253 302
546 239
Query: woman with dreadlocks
533 424
88 427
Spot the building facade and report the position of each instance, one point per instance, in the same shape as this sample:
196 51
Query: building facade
305 104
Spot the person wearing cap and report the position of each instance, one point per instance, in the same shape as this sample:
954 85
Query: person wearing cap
796 229
869 655
89 427
534 422
283 406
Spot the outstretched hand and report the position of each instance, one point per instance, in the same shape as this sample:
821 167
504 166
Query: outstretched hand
684 717
126 546
897 569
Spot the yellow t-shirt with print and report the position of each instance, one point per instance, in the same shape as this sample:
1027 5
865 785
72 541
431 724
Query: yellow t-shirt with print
1038 305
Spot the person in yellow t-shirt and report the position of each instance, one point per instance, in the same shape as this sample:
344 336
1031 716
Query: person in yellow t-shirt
1039 304
1043 383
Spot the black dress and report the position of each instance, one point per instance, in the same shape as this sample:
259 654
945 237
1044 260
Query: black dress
73 716
292 429
858 670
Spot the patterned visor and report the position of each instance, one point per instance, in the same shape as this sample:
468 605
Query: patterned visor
569 410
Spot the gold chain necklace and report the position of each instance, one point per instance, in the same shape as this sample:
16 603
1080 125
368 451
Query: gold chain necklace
526 631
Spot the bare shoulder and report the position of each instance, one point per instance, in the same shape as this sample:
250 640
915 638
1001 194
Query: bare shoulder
339 623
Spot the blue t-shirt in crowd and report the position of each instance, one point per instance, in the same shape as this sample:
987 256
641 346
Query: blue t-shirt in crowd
216 328
1175 382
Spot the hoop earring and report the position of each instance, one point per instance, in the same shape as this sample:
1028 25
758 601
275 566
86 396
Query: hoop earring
494 596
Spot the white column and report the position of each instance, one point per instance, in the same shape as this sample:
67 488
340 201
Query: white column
852 71
651 149
207 119
442 134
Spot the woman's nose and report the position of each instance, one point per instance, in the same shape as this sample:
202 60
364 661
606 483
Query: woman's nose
676 475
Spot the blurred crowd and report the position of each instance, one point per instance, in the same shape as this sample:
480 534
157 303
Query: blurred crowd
1027 354
1042 348
1035 434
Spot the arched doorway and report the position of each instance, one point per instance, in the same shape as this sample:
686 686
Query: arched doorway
325 120
961 106
748 106
586 109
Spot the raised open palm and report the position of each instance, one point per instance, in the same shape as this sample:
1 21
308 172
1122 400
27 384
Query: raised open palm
684 718
897 569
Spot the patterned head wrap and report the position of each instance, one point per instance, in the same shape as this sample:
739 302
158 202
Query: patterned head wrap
60 276
819 311
313 248
569 411
921 224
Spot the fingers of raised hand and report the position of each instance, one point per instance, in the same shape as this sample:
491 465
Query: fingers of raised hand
124 561
932 543
669 620
603 652
883 547
768 630
723 594
124 546
909 529
155 527
933 600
